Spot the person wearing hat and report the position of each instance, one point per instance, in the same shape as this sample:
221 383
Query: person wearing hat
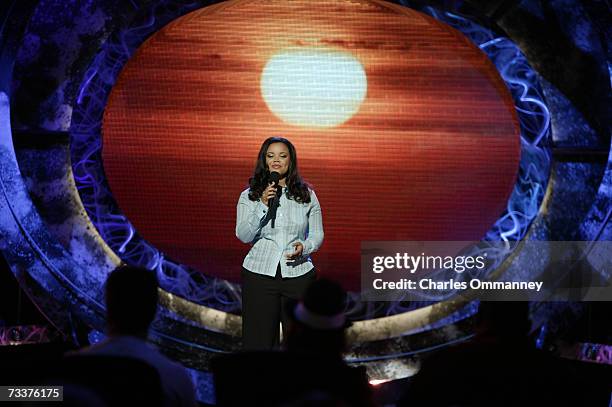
318 321
317 337
310 370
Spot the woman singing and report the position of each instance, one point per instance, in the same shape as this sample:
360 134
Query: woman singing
277 269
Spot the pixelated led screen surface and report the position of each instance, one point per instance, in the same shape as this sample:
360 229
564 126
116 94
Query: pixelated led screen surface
402 126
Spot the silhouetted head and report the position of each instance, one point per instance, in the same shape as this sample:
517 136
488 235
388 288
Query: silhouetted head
319 320
131 300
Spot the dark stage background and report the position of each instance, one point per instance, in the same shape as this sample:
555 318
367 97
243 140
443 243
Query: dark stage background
128 129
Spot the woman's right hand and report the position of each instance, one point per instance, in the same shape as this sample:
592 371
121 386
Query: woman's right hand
268 193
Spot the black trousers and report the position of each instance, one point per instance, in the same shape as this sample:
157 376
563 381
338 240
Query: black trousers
266 302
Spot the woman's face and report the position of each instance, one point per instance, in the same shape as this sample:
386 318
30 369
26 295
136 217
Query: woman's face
277 158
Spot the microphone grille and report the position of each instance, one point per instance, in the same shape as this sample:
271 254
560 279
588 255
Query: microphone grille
274 176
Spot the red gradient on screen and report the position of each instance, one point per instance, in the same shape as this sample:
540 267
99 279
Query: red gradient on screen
432 153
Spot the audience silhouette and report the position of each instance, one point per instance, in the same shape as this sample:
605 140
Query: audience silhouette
500 366
311 371
318 322
131 305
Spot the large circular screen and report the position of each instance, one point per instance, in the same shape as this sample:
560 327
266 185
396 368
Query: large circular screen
402 126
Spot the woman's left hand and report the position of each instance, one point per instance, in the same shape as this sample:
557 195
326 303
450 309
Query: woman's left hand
299 248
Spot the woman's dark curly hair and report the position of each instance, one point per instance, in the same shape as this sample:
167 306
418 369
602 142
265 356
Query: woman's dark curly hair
297 188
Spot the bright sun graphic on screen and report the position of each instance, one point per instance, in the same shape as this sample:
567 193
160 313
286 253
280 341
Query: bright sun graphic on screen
313 88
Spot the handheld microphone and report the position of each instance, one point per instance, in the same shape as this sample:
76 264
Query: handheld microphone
275 178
